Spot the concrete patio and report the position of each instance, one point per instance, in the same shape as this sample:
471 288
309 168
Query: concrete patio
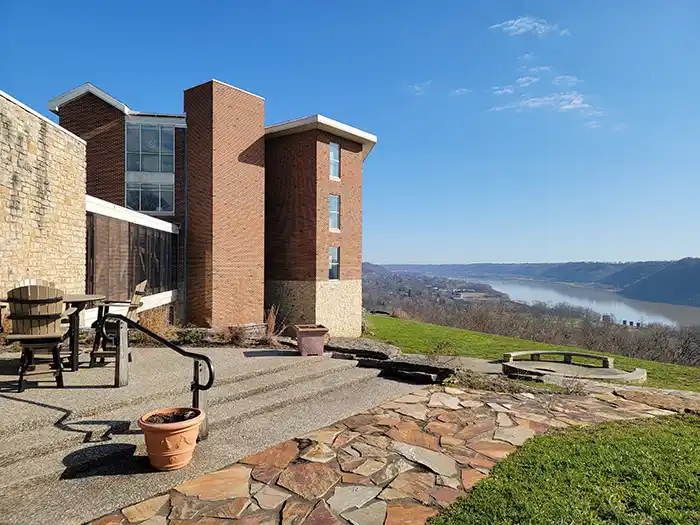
70 455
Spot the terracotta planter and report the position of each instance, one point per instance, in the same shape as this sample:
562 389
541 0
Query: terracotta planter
310 338
170 445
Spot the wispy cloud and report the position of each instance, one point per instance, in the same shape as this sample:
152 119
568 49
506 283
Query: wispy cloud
594 113
566 80
460 91
526 81
539 69
527 57
420 88
529 24
564 101
503 90
619 127
593 124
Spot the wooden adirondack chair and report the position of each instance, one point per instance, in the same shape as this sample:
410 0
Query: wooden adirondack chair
36 311
110 344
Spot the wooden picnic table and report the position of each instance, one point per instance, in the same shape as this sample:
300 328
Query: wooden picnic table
79 302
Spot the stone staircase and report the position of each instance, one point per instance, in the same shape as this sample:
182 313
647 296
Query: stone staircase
71 455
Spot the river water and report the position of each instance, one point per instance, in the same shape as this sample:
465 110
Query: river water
600 300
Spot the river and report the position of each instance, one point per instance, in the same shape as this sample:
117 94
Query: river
597 299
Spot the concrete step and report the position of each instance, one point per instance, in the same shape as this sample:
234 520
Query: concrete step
71 431
49 455
88 495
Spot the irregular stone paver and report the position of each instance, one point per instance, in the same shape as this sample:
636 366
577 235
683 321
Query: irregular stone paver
295 511
271 497
309 480
228 483
372 514
353 496
435 461
278 456
417 485
408 514
231 509
409 432
319 453
513 435
321 515
146 509
394 464
325 435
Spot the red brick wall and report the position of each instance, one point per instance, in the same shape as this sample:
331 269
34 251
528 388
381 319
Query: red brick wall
198 106
226 172
102 126
350 190
290 207
239 206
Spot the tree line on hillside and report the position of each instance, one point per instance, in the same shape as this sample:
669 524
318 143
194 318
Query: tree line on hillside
557 324
673 282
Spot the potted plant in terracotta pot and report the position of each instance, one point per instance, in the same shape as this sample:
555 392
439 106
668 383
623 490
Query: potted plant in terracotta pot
171 435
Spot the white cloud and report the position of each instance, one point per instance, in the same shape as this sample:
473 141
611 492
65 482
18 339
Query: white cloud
527 57
529 24
564 101
538 69
526 81
459 91
593 124
420 88
566 80
594 113
504 90
619 127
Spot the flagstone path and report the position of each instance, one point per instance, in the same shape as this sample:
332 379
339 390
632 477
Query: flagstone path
396 464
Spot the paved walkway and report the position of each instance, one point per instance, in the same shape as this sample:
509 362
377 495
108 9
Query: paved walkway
396 464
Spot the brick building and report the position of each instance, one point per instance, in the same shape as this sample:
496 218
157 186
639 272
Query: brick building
269 214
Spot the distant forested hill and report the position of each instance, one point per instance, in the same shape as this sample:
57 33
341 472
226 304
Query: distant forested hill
674 282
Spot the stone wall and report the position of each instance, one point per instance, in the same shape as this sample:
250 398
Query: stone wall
339 307
296 300
42 200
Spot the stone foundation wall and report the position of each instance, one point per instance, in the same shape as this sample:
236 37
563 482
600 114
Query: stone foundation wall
339 307
42 200
296 300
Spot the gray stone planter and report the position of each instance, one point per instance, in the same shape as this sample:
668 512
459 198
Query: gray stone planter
310 338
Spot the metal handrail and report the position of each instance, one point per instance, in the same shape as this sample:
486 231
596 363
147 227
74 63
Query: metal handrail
192 355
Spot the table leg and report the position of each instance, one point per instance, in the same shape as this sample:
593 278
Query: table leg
74 341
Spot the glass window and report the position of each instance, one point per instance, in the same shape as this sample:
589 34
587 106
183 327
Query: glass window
334 211
133 138
334 262
335 160
167 140
150 197
150 148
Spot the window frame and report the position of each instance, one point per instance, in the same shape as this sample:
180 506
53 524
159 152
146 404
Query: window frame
143 175
332 213
332 264
331 160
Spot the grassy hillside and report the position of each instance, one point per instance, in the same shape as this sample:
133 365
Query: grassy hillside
414 337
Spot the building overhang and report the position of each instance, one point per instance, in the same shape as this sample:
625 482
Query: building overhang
367 140
177 120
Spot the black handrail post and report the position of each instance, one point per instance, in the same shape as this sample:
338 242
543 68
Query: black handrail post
199 397
121 374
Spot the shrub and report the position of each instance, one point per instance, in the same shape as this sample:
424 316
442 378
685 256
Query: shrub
273 325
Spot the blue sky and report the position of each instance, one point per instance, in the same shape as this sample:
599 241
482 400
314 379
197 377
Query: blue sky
508 131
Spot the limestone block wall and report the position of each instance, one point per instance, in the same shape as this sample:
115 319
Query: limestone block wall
42 200
339 307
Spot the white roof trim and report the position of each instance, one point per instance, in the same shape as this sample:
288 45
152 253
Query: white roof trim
178 122
56 103
325 124
236 88
100 207
42 117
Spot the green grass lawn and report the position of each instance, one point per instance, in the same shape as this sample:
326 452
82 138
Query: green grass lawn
415 337
642 472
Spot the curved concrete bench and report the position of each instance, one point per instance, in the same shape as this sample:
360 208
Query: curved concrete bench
534 355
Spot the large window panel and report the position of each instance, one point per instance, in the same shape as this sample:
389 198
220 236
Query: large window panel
150 148
334 262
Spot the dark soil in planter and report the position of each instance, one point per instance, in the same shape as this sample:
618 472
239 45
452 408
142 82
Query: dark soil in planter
171 417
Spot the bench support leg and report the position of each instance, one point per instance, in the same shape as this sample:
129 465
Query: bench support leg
199 397
121 372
